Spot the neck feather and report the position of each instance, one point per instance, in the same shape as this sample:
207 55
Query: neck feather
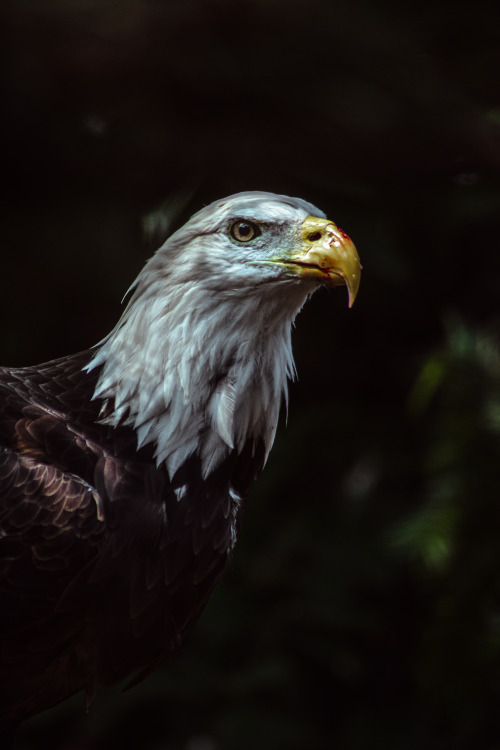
198 371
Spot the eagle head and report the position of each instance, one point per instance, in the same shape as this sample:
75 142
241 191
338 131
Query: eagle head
200 359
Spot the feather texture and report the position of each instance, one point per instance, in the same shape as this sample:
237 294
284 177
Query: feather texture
124 469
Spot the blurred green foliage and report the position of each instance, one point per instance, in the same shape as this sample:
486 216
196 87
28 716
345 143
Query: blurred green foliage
362 608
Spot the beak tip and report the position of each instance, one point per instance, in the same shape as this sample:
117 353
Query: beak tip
352 290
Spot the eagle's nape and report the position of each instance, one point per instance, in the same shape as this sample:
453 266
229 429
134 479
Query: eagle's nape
124 469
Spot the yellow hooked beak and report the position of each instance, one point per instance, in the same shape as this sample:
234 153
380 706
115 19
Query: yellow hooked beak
328 255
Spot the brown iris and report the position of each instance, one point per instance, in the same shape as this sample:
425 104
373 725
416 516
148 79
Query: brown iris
244 231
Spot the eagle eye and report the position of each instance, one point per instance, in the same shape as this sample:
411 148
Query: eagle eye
244 231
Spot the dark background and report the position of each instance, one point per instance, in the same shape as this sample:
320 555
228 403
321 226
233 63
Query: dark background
362 607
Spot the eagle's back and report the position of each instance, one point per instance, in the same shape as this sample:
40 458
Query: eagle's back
105 561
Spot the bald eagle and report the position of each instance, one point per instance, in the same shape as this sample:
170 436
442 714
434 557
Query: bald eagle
124 469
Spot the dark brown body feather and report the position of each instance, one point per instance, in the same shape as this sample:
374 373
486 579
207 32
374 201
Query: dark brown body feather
105 563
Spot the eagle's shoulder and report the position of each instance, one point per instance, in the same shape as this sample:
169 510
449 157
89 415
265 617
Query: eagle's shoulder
51 523
105 560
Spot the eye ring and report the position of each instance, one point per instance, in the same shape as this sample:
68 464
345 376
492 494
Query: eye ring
244 231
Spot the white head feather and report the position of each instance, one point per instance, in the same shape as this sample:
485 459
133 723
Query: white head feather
200 358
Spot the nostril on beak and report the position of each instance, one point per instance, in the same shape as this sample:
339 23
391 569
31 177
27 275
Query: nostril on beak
314 236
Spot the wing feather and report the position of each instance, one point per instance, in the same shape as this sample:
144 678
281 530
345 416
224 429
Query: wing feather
106 560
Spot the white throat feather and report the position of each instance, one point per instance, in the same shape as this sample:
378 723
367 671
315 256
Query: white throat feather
200 359
190 371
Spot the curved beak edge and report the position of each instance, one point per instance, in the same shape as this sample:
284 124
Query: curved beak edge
329 252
